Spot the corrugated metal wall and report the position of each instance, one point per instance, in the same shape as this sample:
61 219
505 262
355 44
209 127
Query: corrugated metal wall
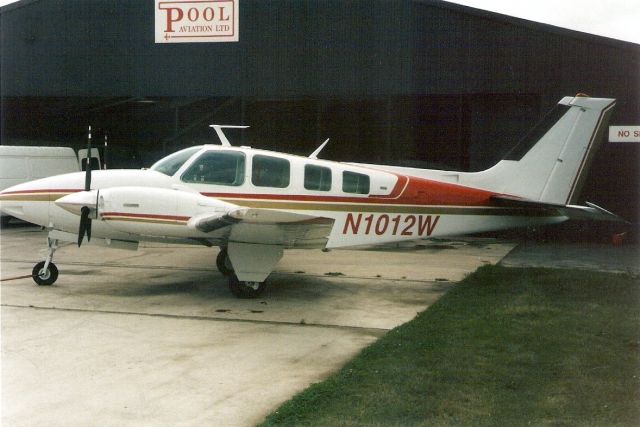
414 82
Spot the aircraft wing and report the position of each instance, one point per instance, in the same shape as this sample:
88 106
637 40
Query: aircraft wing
267 226
591 212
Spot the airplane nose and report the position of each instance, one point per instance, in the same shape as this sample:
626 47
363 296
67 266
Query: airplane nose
76 201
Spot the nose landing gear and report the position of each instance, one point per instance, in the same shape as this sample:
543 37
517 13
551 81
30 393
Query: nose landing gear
45 272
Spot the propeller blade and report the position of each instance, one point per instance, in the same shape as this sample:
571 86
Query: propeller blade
85 221
104 154
85 225
87 177
89 230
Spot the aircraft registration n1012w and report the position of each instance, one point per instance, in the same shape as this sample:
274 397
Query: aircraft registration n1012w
253 204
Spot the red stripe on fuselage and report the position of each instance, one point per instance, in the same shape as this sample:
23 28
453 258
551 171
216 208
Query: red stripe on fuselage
146 216
417 191
426 192
407 191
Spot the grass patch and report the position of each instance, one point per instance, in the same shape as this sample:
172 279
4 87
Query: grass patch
506 346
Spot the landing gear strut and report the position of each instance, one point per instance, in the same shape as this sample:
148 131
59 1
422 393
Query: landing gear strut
224 263
45 273
247 290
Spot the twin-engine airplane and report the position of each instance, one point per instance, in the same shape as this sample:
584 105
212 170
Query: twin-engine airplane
253 203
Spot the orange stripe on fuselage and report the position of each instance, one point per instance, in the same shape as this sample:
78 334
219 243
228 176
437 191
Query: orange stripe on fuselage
48 195
144 217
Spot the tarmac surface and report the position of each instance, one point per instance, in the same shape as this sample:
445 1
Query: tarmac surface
154 337
581 256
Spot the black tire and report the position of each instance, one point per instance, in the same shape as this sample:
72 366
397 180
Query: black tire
224 263
245 290
45 278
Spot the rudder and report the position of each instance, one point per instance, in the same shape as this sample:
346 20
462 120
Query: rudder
550 163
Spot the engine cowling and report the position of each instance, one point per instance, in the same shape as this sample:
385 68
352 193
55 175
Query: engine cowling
156 211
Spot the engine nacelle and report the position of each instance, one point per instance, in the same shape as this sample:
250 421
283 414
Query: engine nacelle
159 212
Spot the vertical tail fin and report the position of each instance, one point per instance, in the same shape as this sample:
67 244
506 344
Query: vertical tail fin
550 163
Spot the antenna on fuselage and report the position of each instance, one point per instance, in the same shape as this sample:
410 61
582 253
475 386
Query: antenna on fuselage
223 138
314 155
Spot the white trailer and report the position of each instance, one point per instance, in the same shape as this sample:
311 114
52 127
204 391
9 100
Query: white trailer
20 164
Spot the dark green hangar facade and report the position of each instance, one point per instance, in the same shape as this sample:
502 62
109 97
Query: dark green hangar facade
405 82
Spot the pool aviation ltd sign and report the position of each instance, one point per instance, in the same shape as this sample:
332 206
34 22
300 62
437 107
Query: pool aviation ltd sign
196 21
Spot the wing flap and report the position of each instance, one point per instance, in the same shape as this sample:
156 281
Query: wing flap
267 226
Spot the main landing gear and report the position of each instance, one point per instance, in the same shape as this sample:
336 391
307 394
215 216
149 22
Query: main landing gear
247 290
239 289
45 272
224 263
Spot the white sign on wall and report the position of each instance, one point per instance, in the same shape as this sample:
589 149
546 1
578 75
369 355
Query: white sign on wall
624 133
183 21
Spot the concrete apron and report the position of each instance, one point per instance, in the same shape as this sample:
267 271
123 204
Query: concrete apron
154 337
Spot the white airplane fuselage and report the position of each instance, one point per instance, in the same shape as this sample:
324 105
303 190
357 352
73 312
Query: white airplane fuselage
255 203
149 205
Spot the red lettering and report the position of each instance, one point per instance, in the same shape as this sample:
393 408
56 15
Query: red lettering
411 222
396 223
382 224
208 14
171 20
222 17
369 220
193 17
351 223
425 224
636 133
623 133
413 225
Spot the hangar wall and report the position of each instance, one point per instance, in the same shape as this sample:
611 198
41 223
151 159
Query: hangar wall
409 82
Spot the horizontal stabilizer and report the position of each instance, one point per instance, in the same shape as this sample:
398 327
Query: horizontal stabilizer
591 212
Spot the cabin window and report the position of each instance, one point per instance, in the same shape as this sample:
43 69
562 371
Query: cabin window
270 172
170 164
355 183
317 178
217 167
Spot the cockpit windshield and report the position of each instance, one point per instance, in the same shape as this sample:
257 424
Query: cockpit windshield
170 164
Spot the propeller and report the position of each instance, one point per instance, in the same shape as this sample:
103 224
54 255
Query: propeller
104 153
85 220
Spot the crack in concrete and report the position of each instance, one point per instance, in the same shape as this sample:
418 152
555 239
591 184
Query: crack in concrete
371 331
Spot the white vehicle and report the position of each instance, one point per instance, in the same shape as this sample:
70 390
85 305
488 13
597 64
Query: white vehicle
20 164
254 204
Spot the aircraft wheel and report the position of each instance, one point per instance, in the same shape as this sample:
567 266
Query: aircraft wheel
224 263
246 290
42 277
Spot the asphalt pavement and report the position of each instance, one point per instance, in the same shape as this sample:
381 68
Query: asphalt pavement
581 256
153 337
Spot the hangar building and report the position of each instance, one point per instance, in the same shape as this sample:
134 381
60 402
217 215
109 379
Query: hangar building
406 82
